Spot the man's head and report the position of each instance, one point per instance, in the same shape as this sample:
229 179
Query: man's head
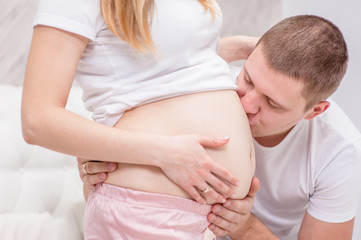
295 67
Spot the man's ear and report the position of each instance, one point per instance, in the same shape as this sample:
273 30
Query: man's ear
317 110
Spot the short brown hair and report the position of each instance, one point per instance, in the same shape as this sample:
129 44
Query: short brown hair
310 49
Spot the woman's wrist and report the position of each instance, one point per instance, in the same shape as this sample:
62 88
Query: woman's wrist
157 149
237 47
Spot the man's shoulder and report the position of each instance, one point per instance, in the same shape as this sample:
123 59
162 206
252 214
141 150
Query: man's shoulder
334 123
333 136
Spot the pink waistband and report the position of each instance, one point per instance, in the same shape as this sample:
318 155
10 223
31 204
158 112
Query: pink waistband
131 196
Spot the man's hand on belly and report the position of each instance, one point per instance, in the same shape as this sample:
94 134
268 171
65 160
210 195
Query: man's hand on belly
232 217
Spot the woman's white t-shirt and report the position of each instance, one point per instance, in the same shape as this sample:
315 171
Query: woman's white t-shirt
115 78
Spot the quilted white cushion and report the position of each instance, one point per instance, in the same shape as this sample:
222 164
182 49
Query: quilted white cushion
40 190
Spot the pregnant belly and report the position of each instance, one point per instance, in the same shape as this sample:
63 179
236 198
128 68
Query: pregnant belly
215 113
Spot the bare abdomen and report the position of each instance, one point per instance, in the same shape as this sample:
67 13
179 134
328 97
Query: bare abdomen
215 113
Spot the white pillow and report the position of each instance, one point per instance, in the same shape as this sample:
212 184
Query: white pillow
31 226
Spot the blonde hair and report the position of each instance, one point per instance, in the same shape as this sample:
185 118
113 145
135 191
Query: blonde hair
130 20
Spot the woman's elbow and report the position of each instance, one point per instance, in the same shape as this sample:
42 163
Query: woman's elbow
30 127
28 131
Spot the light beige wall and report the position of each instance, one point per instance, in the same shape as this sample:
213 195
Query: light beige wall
16 18
249 17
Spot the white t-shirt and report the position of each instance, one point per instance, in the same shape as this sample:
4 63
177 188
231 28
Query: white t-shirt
316 168
115 78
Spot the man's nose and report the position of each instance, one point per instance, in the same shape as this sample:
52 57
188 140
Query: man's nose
241 92
250 102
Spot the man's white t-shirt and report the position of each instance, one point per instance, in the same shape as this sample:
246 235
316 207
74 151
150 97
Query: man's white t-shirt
316 168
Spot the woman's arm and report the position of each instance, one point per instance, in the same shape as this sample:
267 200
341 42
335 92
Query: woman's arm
236 48
52 62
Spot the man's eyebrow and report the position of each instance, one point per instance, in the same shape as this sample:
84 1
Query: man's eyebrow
276 104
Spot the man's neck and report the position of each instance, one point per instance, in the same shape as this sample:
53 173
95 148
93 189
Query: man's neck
273 140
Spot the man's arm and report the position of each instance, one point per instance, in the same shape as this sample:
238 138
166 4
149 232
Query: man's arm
254 229
314 229
235 220
251 228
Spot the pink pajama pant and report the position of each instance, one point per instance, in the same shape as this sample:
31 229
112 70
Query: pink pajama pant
118 213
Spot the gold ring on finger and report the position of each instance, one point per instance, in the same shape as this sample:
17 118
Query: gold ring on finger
84 168
204 191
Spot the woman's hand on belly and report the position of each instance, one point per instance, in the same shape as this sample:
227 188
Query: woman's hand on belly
197 171
192 172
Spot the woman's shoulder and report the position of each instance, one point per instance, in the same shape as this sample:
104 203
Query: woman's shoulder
81 17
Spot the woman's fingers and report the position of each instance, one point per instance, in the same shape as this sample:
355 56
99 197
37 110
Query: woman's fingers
221 187
210 185
100 167
199 195
93 179
225 174
193 170
94 167
94 172
196 195
211 193
212 142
